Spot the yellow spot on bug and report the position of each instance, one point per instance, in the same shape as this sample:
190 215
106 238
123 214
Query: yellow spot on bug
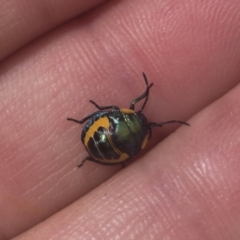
102 122
145 140
123 157
126 110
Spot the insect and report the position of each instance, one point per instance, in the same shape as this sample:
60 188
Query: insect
114 135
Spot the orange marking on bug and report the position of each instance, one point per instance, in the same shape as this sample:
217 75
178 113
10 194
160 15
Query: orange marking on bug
123 157
102 122
126 110
145 140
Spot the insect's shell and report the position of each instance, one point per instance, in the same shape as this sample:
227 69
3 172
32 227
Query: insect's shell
115 136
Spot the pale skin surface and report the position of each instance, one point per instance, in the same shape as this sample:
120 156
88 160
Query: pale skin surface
187 186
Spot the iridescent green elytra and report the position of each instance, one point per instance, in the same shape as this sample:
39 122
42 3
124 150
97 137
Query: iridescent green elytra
114 135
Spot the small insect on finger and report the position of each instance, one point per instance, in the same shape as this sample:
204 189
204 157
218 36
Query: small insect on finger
114 135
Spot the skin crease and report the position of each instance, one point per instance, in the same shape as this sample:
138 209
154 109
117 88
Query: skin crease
187 186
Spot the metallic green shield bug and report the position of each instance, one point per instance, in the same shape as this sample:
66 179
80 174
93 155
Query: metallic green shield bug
114 135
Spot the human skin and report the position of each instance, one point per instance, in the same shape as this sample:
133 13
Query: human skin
57 55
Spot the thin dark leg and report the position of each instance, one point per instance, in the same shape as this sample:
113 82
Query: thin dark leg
153 124
144 95
91 115
84 160
84 119
104 107
75 120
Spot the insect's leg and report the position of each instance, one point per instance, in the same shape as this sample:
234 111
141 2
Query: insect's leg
144 95
104 107
91 115
153 124
82 120
84 160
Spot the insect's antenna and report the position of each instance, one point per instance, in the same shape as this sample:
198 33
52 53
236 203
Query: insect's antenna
147 91
142 96
145 78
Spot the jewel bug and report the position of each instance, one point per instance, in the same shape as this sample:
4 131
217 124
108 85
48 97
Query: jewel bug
114 135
